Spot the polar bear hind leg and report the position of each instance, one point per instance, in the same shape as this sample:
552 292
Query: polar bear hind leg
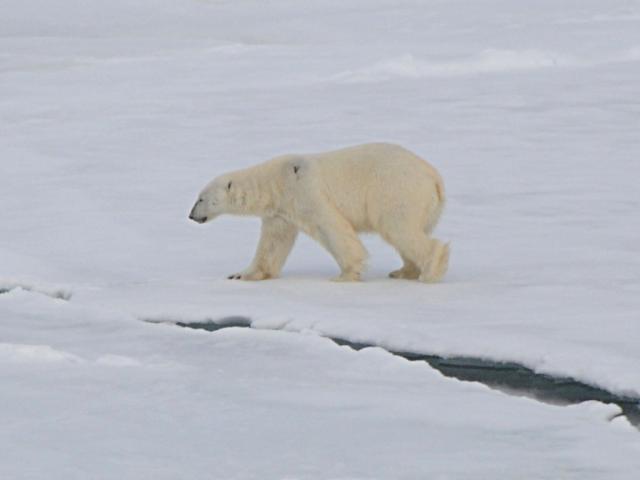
425 258
438 263
337 235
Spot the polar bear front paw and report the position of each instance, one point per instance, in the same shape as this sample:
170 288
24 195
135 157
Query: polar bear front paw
249 276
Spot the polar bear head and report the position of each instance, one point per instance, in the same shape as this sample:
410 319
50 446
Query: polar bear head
214 200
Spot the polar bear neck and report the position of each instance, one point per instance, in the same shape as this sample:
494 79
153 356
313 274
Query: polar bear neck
257 190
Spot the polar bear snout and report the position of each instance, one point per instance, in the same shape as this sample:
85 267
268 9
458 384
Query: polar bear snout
197 219
196 215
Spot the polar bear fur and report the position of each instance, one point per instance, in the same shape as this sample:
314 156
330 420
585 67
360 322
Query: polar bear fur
333 196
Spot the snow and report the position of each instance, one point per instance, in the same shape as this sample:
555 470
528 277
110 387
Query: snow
487 61
113 115
244 403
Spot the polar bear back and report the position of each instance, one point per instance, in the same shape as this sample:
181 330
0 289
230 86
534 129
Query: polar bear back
373 184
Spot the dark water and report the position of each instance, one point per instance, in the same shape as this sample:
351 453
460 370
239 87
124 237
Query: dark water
61 295
512 378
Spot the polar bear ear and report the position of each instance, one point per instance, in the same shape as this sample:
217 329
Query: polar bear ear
297 165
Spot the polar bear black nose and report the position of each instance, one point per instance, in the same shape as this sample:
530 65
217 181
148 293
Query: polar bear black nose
197 219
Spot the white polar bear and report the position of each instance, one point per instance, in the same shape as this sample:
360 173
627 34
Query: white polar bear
332 196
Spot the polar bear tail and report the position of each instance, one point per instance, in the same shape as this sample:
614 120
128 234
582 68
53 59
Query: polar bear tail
440 191
436 207
439 256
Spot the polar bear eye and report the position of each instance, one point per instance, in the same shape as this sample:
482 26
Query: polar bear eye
229 186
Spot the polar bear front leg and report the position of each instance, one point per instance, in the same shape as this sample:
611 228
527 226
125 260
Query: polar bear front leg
276 241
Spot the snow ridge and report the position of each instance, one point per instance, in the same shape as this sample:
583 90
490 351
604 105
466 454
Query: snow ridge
485 62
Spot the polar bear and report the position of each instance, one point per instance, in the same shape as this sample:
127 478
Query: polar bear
332 196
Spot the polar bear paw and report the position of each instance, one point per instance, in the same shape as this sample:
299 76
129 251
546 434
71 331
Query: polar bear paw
408 273
250 276
347 277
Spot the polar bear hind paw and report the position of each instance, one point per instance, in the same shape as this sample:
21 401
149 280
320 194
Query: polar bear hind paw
347 277
405 273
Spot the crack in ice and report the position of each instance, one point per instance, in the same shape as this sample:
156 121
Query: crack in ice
508 377
58 294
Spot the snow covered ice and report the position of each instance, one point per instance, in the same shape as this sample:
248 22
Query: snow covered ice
114 114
